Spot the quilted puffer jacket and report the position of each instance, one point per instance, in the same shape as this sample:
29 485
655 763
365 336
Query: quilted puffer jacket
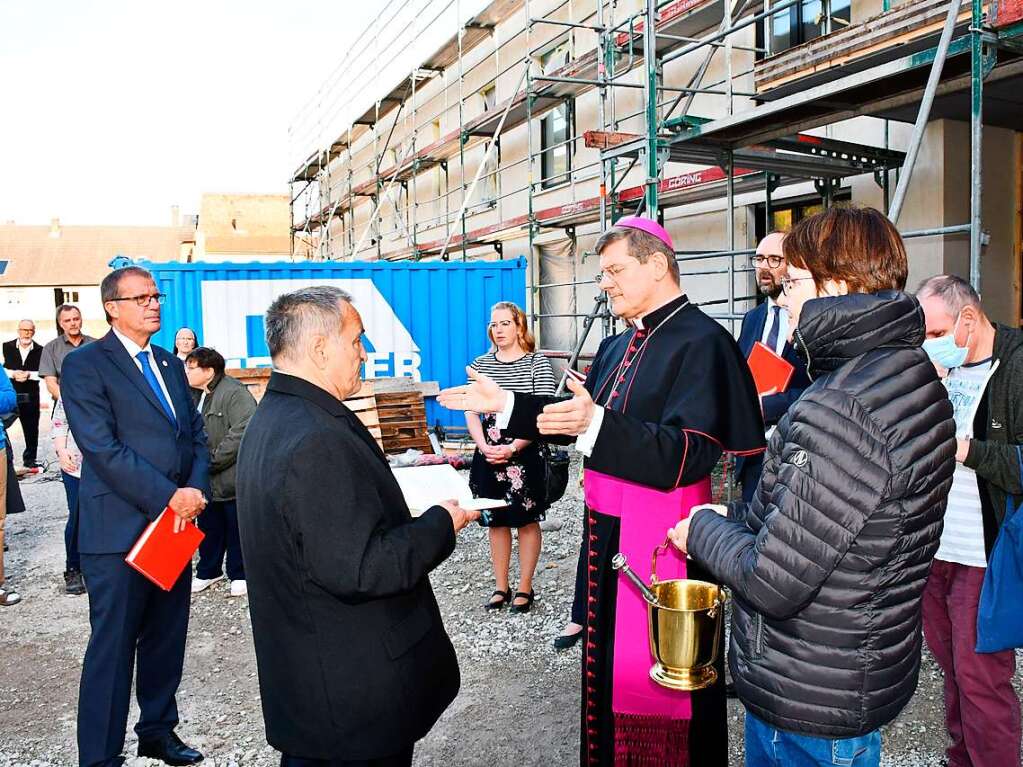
828 562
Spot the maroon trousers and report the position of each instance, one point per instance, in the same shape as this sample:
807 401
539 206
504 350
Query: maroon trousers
982 711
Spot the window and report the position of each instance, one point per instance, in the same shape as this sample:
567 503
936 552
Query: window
787 213
488 179
803 22
488 98
3 266
557 56
555 148
64 296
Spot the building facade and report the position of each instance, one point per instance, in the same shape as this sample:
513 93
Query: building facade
501 139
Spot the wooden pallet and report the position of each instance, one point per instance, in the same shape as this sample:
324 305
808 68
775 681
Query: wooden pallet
907 27
403 421
255 379
362 403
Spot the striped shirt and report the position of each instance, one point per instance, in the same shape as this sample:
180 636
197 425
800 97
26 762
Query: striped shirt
962 539
529 374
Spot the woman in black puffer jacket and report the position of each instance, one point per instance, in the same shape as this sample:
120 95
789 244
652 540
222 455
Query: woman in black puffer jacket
827 564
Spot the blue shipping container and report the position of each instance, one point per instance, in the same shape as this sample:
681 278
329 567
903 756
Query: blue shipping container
426 321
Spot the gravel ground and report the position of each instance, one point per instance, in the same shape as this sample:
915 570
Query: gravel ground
518 702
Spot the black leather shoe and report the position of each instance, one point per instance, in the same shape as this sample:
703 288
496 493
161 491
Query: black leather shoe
567 641
169 749
74 583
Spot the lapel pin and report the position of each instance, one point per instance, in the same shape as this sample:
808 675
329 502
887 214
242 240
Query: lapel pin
165 363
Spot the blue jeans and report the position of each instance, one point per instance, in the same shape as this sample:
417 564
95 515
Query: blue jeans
767 746
74 561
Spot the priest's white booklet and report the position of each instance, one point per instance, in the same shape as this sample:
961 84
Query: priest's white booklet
426 486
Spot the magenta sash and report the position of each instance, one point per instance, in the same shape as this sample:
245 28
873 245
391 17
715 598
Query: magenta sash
646 514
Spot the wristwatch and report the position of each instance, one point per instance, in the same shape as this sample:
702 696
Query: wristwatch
512 448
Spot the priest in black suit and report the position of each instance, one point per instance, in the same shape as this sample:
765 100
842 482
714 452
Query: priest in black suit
21 363
768 323
354 663
663 400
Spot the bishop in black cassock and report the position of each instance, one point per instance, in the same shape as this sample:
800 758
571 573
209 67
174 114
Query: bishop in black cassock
662 401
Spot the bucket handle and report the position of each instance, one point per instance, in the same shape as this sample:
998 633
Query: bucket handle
722 596
661 549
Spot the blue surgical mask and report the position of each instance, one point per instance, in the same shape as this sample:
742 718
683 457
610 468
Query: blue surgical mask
943 350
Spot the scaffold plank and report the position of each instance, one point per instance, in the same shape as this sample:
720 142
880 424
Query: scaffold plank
682 18
902 30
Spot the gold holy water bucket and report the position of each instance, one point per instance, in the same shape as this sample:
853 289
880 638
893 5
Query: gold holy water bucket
685 620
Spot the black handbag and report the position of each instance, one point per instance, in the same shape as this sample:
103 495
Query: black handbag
555 463
555 471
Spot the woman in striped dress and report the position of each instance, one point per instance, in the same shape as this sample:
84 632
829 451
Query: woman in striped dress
511 468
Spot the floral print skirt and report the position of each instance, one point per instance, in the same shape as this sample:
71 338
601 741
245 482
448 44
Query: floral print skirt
520 482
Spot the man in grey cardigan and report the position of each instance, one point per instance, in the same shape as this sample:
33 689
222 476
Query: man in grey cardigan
226 406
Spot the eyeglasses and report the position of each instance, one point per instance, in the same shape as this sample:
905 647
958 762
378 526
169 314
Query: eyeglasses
611 274
786 283
773 262
144 299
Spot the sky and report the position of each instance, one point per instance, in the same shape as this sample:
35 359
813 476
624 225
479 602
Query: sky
115 110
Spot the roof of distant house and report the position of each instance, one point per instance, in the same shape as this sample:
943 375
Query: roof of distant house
80 255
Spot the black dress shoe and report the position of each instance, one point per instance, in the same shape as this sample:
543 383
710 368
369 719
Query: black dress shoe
524 607
169 749
567 641
74 583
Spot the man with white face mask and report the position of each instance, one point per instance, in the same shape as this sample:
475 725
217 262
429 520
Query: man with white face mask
982 368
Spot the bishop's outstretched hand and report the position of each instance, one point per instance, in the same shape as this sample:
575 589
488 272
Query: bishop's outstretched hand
571 416
480 395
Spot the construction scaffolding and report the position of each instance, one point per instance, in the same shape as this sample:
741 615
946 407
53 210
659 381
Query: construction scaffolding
751 136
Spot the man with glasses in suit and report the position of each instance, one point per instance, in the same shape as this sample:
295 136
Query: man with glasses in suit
144 450
768 323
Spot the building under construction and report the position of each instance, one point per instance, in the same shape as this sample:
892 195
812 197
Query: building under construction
488 130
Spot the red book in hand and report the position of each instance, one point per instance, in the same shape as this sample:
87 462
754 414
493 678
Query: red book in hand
160 554
769 370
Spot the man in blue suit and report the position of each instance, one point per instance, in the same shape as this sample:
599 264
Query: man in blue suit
768 323
143 450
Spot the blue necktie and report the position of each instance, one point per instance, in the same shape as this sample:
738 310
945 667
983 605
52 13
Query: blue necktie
150 377
772 337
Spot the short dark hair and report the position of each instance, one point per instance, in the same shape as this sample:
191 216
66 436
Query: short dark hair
292 315
858 245
64 308
955 292
642 245
112 283
207 359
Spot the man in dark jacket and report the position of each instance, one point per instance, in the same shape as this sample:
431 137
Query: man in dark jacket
354 663
226 406
768 323
982 365
21 361
827 565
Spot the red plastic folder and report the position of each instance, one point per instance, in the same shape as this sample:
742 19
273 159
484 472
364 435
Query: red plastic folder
160 554
769 370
